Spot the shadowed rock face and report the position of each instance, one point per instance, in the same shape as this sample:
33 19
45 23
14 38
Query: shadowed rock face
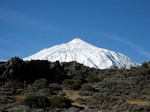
29 71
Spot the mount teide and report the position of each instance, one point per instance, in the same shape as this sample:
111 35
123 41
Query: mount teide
84 53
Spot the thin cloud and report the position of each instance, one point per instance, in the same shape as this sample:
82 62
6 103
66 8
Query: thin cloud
134 46
16 18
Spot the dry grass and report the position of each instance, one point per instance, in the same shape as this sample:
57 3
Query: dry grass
137 101
73 95
79 105
19 97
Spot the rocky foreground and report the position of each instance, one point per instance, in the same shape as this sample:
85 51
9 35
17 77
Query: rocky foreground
42 86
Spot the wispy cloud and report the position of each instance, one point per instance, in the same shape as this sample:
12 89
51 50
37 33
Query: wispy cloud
22 20
11 41
134 46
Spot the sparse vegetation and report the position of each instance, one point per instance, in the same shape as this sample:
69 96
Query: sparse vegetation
88 87
72 84
35 101
59 101
35 84
40 83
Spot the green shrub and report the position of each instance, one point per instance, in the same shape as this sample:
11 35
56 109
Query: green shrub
55 87
68 82
93 79
44 92
75 86
146 64
40 83
87 87
72 84
37 101
59 101
79 79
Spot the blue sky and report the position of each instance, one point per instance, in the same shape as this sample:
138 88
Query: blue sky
28 26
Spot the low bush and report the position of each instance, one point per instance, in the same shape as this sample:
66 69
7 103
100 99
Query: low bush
72 84
37 101
79 78
40 83
55 86
44 92
75 86
59 102
68 82
88 87
93 79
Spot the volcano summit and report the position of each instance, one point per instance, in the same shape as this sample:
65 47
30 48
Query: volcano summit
84 53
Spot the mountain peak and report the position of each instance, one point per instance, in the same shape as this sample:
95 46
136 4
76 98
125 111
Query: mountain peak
77 41
84 53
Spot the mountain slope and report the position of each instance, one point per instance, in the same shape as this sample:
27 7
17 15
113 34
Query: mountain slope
85 53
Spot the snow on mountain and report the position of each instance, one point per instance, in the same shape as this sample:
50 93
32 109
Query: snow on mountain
84 53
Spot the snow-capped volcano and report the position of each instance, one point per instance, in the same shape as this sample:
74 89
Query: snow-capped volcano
84 53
